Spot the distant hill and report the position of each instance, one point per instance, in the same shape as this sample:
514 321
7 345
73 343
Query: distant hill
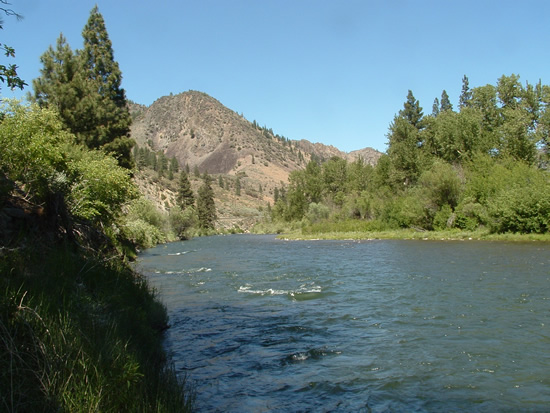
200 132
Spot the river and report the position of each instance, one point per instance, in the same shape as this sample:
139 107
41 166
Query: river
260 324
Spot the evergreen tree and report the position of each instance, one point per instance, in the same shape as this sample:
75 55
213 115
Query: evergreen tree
206 207
435 108
412 111
174 167
86 89
111 126
238 187
185 197
58 84
445 102
465 95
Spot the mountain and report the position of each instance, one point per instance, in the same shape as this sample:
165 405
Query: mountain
202 133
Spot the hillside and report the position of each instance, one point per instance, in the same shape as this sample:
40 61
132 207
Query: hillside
202 133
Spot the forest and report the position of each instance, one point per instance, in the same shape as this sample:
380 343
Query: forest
481 167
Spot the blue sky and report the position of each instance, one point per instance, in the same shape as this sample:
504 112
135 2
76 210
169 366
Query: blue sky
334 72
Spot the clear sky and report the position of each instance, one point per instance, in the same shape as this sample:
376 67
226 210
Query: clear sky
334 72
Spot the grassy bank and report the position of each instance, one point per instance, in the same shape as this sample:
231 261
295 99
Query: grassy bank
81 333
413 234
362 229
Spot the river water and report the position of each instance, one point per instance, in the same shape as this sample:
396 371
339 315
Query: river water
260 324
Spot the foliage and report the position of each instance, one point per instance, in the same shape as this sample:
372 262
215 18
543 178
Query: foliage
480 168
86 89
99 186
81 334
143 224
32 142
206 208
41 158
183 221
185 196
524 204
8 74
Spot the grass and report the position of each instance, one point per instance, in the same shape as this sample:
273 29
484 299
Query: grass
360 230
82 334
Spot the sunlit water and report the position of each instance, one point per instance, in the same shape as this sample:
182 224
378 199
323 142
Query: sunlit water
260 324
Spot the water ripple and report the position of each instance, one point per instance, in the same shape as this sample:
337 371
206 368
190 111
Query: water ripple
260 324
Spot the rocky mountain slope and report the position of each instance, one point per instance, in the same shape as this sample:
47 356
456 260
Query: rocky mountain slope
202 133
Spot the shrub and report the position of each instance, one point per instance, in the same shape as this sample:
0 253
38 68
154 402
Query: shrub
33 147
523 209
317 212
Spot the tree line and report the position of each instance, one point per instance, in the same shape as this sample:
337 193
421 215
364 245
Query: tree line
482 166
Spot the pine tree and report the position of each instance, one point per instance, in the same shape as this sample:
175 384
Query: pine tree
435 108
58 85
107 99
445 102
466 94
238 187
185 197
174 167
85 87
412 111
206 207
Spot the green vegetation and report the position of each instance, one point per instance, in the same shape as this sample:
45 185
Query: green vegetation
8 74
481 170
81 333
85 88
79 330
206 208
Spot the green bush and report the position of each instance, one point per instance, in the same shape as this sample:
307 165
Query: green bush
317 212
406 211
100 187
33 147
524 209
143 234
182 221
470 215
442 217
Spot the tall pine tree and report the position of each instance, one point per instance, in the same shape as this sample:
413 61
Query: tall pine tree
435 108
185 197
445 101
58 84
412 111
466 94
206 207
110 127
86 89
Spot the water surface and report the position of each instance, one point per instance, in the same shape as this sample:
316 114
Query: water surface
261 324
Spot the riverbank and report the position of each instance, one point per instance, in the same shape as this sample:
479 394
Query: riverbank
415 235
80 331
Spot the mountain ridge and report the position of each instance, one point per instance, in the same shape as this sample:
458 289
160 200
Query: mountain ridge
200 132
